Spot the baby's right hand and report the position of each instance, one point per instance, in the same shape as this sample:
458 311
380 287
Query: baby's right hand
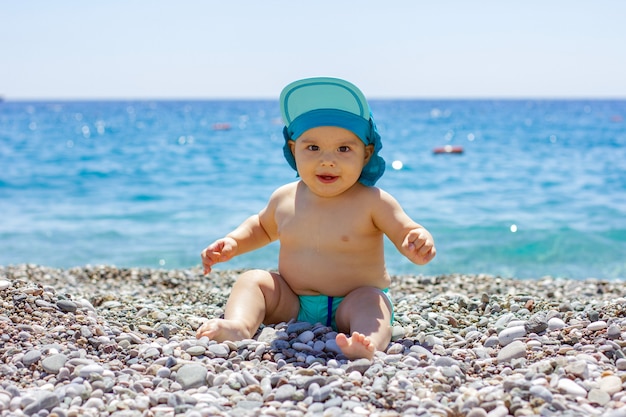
221 250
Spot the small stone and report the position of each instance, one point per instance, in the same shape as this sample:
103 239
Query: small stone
597 325
509 334
87 370
611 384
568 386
306 336
67 306
322 394
4 284
95 402
285 393
31 357
268 335
196 350
44 401
359 365
578 368
299 327
53 363
536 324
395 348
397 332
515 349
191 376
220 350
613 331
621 364
555 323
331 346
541 392
477 412
445 361
597 396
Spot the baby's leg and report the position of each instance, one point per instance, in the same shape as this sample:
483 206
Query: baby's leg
256 297
365 315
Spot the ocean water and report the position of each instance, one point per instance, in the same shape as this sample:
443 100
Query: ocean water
540 188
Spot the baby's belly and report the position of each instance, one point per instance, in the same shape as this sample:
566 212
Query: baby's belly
310 274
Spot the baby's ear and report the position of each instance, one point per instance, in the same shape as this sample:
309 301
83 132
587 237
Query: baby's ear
369 151
292 145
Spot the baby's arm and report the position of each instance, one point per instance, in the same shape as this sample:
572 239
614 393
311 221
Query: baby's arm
253 233
410 238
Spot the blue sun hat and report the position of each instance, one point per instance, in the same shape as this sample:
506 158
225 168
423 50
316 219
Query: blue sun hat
324 101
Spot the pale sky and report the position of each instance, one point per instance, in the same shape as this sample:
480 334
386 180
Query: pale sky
250 49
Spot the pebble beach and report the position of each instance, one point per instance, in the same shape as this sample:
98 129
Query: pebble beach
107 341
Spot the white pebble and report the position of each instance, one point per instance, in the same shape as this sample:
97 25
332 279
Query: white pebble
509 334
597 325
568 386
555 323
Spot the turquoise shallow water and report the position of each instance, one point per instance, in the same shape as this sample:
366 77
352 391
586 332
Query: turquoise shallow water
539 190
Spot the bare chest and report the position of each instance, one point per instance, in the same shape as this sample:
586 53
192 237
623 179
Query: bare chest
335 229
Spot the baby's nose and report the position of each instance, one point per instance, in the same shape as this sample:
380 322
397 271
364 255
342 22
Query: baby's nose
327 158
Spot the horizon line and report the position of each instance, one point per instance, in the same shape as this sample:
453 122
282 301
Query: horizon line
264 98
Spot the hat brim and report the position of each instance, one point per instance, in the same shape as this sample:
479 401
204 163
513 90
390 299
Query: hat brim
321 93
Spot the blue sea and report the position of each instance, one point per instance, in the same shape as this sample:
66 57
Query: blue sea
540 188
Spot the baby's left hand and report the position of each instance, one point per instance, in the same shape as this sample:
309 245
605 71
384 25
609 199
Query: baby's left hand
419 246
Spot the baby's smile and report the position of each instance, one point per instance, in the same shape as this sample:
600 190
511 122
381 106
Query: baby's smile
327 178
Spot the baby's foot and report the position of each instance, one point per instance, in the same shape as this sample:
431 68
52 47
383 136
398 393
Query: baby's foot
221 330
355 347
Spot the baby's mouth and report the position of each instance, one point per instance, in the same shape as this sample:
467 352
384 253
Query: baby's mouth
327 178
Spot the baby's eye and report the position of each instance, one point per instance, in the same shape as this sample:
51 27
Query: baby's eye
344 149
313 147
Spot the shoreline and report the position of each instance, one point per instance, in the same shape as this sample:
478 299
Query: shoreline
100 340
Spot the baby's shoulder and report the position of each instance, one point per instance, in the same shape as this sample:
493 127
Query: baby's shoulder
376 198
284 192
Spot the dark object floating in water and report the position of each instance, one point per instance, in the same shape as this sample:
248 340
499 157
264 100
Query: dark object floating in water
448 149
221 126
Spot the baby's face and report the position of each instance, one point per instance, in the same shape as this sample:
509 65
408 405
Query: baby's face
330 159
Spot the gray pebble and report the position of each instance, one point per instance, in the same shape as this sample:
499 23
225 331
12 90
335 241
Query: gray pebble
87 370
306 336
613 331
53 363
44 400
285 392
359 365
67 306
196 350
31 357
541 392
191 376
220 350
299 327
536 324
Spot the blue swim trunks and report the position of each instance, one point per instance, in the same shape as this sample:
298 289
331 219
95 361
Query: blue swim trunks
322 308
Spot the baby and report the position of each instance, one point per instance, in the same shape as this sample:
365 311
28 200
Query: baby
330 225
